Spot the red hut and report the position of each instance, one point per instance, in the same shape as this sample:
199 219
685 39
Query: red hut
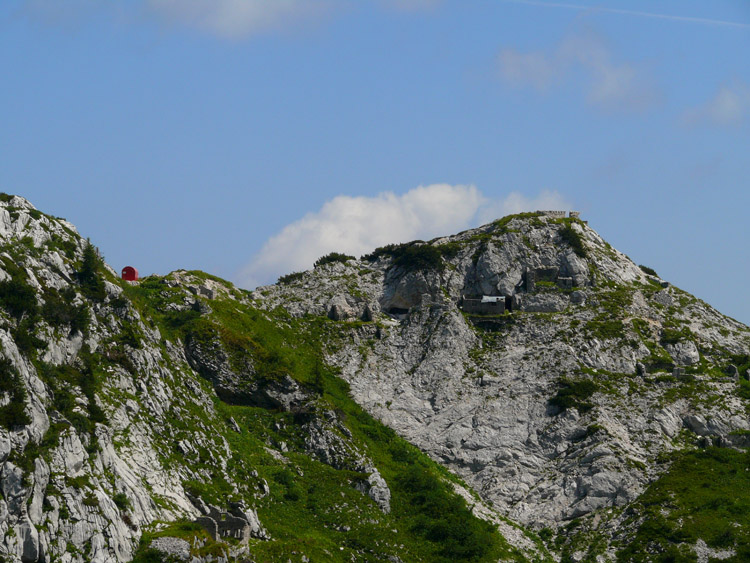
129 273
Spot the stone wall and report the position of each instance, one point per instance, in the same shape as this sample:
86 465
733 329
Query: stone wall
480 307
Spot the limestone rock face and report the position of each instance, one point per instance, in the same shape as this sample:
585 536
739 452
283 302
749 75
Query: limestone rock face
683 353
211 361
475 391
242 386
544 303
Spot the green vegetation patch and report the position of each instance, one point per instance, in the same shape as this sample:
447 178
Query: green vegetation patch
417 255
14 413
156 299
658 358
574 394
574 239
649 271
704 495
674 335
411 256
58 310
291 278
89 274
442 518
501 226
67 247
333 257
18 297
741 362
86 376
608 329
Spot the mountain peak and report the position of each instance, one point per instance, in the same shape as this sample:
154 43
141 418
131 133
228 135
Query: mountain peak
526 359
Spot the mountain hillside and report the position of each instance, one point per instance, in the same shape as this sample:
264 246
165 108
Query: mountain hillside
517 392
561 411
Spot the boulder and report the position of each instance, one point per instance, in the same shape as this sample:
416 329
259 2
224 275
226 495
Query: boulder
696 424
339 309
578 297
377 489
684 352
176 548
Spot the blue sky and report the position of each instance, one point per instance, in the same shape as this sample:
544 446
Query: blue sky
247 138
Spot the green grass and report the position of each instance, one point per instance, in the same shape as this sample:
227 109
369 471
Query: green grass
605 329
704 495
673 336
310 503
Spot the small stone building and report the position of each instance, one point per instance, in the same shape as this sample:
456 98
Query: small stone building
486 305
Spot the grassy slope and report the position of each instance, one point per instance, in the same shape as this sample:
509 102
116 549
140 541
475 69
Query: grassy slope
704 495
314 508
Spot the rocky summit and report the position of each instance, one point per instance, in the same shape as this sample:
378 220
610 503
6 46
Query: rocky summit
517 392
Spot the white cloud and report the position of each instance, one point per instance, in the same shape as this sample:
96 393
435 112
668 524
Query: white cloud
729 107
607 84
357 225
235 18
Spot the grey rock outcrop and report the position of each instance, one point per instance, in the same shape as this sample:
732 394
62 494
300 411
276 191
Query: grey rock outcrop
238 523
684 353
329 441
172 547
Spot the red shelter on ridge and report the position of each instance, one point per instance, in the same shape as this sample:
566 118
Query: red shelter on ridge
129 273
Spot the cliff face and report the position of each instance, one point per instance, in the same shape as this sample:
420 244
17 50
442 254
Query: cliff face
180 417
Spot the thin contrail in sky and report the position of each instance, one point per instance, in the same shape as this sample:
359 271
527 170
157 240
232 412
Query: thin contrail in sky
580 7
